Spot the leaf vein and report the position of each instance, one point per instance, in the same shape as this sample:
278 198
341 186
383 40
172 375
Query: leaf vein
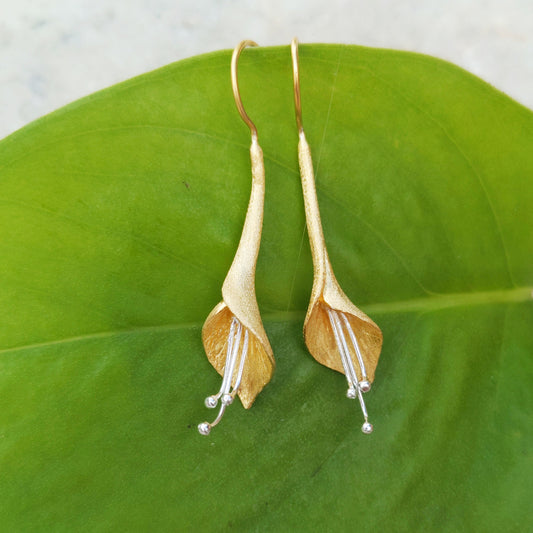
418 305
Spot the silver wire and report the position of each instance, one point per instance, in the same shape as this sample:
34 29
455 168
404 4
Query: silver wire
338 341
229 351
241 364
346 359
229 371
226 391
356 346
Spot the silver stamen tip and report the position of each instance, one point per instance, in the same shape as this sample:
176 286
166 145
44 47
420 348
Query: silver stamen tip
351 393
227 399
364 385
211 402
367 428
204 428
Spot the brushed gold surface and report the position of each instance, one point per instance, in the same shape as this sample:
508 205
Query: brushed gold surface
239 300
326 293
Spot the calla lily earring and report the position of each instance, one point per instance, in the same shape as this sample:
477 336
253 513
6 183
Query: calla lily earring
336 332
233 335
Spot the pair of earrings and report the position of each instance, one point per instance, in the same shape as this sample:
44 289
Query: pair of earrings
337 334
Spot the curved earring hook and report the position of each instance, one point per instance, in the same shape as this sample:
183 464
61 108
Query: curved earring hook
296 79
235 84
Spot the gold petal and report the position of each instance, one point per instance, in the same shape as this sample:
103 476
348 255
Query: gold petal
259 365
319 336
326 293
238 293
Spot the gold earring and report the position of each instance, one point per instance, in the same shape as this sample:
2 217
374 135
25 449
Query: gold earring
331 316
233 334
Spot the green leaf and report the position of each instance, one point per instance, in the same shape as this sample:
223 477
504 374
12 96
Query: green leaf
120 215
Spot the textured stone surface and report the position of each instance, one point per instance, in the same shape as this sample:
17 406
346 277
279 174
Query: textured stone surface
55 52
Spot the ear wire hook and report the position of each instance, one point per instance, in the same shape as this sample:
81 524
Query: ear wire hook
235 84
296 80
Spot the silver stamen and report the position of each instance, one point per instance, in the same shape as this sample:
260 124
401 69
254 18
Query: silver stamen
337 332
241 364
226 394
355 388
364 384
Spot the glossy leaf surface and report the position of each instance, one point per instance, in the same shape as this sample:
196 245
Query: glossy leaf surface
119 218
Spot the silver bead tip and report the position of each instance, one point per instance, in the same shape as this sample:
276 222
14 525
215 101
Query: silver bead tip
211 402
367 428
204 428
364 385
227 399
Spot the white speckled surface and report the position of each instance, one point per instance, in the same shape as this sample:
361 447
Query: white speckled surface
55 51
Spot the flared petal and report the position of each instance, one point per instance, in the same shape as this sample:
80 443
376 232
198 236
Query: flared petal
318 332
259 365
327 294
239 300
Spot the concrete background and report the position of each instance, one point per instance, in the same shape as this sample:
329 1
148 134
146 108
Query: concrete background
55 51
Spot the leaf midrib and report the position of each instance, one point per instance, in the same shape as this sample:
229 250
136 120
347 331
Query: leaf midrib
415 305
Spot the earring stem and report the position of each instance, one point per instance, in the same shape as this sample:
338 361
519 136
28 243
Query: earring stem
296 81
235 85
